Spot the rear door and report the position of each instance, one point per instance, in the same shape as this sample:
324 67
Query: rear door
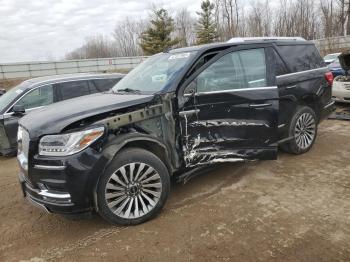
236 105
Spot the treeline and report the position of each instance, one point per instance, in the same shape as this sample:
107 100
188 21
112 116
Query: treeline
219 20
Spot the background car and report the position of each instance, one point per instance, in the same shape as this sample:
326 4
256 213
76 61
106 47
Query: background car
341 83
36 93
336 68
330 58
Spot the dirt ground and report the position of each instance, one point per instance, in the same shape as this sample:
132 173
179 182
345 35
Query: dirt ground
294 209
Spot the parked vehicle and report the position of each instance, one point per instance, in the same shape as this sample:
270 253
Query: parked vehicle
330 58
36 93
2 91
341 84
177 111
336 68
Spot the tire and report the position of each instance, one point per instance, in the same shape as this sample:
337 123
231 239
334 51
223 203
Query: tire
303 129
123 202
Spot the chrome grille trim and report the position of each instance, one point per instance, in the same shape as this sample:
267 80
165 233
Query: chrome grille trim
25 143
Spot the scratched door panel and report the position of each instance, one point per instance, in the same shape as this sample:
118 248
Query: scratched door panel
231 128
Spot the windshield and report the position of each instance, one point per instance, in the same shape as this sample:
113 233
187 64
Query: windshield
10 95
155 74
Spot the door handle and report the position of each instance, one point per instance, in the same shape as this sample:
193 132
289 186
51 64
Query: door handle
259 105
190 112
291 87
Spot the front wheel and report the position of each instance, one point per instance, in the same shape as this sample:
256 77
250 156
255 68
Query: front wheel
303 130
134 187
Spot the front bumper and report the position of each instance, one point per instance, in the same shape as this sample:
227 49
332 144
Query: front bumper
341 91
42 198
62 185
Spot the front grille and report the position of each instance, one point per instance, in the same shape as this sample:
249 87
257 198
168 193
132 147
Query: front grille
23 148
347 86
25 143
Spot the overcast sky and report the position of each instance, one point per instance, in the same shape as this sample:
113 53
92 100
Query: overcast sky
44 29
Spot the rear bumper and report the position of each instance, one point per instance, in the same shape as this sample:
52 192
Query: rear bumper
327 110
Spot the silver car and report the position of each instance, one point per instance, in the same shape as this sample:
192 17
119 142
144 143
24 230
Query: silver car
341 84
36 93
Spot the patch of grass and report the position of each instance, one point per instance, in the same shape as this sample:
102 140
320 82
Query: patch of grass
9 83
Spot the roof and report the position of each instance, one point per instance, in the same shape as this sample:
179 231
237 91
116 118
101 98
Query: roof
69 77
243 41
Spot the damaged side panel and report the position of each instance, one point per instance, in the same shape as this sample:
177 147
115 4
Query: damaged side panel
232 127
155 120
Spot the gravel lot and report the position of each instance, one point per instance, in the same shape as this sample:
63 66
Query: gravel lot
294 209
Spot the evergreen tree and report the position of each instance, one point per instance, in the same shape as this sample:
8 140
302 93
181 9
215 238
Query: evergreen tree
206 27
157 37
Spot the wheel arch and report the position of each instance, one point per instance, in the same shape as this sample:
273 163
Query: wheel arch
138 140
133 140
311 100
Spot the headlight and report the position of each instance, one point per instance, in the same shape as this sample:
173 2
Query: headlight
69 144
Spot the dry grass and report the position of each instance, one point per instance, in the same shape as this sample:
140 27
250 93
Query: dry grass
9 83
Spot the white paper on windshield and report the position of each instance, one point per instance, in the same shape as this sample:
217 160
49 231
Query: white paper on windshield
19 91
179 56
159 78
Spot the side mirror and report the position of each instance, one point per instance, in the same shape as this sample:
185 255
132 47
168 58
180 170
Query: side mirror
18 110
190 90
2 91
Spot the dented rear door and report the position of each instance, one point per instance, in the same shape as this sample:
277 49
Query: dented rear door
236 103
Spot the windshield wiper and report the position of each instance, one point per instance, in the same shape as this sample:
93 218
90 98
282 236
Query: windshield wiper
129 90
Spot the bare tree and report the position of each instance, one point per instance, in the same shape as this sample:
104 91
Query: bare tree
98 46
311 19
185 27
126 35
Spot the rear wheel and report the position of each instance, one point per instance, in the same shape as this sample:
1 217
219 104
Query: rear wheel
134 187
303 130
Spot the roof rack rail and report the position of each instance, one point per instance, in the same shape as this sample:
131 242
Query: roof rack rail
247 39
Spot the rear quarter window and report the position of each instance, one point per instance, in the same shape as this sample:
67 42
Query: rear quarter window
301 57
103 85
73 89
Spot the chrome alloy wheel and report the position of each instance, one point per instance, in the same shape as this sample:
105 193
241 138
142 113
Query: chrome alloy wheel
133 190
305 130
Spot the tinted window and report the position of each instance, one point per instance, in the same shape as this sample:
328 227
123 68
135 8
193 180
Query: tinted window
241 69
41 96
301 57
73 89
280 68
103 85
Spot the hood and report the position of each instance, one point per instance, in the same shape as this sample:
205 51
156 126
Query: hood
52 119
344 60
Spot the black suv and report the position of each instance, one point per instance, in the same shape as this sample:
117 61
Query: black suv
177 111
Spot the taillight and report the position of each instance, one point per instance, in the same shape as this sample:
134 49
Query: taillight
329 77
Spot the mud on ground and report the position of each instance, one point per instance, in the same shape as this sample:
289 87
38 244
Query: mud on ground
294 209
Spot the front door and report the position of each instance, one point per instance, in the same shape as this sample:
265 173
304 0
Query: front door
33 100
234 115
